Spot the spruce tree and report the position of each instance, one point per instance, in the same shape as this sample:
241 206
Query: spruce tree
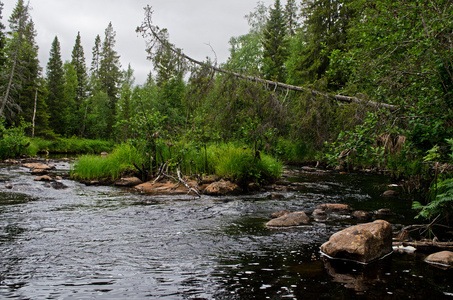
55 86
79 64
110 75
21 73
72 122
275 45
292 16
96 60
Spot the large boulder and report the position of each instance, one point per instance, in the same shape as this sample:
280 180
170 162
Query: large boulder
291 219
222 188
443 259
362 243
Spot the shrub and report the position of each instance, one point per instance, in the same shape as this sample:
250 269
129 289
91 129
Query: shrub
13 141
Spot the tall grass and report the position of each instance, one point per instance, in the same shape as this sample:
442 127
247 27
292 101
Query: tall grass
224 160
242 165
90 167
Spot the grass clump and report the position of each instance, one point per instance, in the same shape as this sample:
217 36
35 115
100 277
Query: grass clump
112 166
242 165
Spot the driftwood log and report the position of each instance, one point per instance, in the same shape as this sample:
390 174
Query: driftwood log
151 32
427 246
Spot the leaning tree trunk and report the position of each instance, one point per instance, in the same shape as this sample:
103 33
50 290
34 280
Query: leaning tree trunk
156 36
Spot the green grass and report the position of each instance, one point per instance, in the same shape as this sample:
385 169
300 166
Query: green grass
224 160
112 166
69 145
241 165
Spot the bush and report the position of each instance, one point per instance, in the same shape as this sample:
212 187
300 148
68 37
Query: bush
13 142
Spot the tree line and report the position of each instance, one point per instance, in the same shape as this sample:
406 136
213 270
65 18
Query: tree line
397 53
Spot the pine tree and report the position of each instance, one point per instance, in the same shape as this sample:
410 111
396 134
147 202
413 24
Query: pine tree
55 85
110 75
275 45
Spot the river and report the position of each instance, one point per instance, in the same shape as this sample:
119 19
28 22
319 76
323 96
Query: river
91 242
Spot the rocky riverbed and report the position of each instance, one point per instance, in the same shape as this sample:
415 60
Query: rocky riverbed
73 240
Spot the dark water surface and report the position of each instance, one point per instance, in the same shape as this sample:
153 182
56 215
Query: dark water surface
111 243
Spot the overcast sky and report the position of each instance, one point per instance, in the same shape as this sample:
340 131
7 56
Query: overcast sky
191 23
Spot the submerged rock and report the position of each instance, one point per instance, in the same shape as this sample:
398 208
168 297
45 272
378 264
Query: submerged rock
58 185
319 214
43 178
222 188
361 215
38 166
335 208
383 212
291 219
274 196
280 214
362 243
39 172
390 194
442 259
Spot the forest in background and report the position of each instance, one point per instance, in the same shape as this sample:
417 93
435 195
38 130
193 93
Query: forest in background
391 52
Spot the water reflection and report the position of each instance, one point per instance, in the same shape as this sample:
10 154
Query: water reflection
112 243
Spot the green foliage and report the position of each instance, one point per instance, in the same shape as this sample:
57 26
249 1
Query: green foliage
243 165
441 190
89 167
69 146
293 151
441 204
13 142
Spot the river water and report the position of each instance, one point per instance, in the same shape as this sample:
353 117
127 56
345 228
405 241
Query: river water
89 242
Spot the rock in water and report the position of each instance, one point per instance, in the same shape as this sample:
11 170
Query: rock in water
291 219
335 208
38 166
222 188
280 214
127 182
362 243
43 178
442 259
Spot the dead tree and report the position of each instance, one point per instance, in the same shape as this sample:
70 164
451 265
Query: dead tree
156 37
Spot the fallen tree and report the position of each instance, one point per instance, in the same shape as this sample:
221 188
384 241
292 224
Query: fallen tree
157 37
